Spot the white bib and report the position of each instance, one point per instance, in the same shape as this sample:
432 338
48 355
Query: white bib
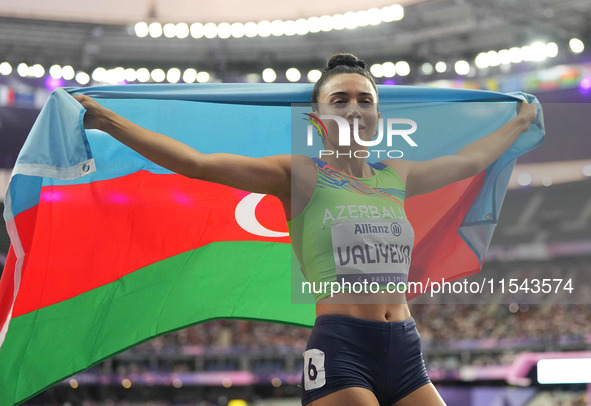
372 250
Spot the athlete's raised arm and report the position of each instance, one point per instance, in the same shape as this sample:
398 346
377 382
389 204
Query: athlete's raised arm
427 176
268 175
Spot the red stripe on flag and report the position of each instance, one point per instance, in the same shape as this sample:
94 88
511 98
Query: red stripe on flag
11 276
7 288
89 235
439 251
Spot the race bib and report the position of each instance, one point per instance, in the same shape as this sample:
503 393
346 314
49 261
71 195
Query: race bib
314 372
373 250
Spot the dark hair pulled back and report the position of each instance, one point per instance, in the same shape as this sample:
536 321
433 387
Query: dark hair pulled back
341 63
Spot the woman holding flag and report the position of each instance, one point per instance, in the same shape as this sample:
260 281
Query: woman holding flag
364 348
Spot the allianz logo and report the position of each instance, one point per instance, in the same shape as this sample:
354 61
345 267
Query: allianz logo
368 228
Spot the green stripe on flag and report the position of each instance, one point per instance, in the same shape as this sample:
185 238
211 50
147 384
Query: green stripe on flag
247 279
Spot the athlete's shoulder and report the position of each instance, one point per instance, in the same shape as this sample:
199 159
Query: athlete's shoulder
302 160
303 166
400 166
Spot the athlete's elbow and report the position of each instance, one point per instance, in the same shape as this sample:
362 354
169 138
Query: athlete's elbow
195 166
475 167
471 165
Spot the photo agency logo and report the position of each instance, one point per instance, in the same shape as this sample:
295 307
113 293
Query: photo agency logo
402 127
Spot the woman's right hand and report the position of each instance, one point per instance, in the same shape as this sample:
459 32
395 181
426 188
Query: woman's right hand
95 113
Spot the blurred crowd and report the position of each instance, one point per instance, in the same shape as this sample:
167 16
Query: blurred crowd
439 326
513 320
230 334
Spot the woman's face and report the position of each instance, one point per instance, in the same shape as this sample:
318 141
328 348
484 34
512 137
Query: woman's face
351 96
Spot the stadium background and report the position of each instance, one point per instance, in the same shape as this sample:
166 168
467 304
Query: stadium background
477 354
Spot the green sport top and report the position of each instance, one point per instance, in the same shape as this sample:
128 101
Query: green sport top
353 230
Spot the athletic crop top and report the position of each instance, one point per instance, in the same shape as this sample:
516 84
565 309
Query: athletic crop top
353 230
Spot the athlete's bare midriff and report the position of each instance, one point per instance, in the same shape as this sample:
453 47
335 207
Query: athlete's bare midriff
370 306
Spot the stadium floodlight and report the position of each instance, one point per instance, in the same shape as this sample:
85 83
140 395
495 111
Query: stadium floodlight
561 370
224 30
539 51
516 55
22 69
197 30
210 30
314 24
173 75
250 29
130 75
182 30
155 30
314 75
269 75
277 28
388 69
158 75
143 75
264 28
82 78
402 68
481 60
55 71
339 22
377 70
141 29
374 16
293 75
98 75
576 45
68 72
504 56
392 13
169 30
427 68
492 58
524 179
301 26
5 68
551 49
527 53
440 67
203 77
290 28
37 71
238 30
113 76
362 18
326 23
190 75
462 67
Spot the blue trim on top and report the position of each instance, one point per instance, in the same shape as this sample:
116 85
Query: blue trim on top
378 165
319 162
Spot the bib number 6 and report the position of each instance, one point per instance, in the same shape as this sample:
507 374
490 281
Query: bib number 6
314 373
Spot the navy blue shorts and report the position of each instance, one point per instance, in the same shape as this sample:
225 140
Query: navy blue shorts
343 352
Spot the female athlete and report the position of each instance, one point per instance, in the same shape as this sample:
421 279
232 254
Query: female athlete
364 348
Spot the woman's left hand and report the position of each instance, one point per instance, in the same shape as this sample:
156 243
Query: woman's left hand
527 111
